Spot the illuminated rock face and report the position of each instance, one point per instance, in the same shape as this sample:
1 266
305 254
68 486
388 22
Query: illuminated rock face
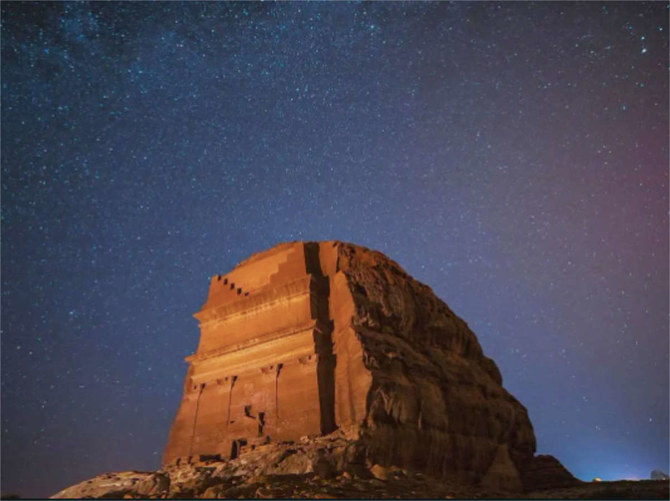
308 337
265 369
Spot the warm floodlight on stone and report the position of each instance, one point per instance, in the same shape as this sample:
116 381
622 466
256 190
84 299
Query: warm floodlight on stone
308 337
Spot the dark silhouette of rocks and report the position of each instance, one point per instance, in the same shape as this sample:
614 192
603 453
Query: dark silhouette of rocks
658 475
547 472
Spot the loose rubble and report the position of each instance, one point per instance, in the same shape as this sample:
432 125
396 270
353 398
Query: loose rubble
321 467
327 467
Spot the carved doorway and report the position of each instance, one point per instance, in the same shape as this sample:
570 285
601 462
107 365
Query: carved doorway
236 447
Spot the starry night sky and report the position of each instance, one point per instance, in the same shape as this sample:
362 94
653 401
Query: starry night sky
512 156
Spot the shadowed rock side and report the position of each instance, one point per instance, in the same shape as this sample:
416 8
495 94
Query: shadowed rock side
434 403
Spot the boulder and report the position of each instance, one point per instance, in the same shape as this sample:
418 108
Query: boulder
134 484
380 472
547 472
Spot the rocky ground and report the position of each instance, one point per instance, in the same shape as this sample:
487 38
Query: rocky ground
622 489
202 484
318 468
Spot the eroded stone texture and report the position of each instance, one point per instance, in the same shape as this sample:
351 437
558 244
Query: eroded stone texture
435 403
308 337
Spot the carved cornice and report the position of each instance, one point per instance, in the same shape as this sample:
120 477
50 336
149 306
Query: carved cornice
273 336
258 301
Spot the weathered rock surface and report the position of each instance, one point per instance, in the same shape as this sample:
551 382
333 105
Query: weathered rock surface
435 402
119 484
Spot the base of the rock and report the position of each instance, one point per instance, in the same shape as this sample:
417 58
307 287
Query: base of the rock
198 484
332 466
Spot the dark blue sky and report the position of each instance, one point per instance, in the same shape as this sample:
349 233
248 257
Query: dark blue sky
512 156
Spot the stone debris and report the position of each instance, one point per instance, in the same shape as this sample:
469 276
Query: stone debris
379 472
279 471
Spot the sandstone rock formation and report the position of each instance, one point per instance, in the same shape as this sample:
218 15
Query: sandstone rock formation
310 337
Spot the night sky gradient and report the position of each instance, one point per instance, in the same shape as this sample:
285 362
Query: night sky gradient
512 156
